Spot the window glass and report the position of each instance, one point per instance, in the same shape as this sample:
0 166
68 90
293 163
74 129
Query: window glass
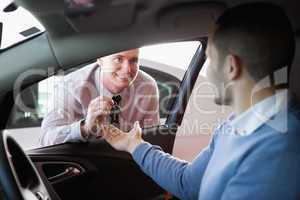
46 94
166 63
178 54
151 61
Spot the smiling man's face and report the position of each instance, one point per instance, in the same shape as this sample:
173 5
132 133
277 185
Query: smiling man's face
119 70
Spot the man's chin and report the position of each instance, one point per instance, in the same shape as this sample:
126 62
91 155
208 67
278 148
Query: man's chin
120 87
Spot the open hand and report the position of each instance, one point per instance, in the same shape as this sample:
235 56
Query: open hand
123 141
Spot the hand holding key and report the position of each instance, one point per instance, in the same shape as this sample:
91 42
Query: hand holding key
98 109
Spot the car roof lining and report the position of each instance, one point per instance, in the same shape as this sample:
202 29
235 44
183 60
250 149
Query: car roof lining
158 29
58 48
149 22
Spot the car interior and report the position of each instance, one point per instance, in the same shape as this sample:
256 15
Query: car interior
75 36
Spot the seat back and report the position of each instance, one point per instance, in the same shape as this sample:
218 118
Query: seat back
295 70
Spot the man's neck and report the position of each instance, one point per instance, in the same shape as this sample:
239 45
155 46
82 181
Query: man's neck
243 100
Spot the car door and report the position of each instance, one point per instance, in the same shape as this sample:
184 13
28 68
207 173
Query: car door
94 170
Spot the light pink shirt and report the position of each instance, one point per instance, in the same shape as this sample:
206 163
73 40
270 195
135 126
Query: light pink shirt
140 102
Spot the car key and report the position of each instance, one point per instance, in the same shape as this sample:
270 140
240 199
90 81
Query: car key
115 111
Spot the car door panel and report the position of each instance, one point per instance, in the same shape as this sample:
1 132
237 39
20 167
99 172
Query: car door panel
101 171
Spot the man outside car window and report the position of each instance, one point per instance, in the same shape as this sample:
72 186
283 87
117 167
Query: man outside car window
84 100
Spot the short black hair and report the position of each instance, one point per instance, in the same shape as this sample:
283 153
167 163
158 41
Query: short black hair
260 34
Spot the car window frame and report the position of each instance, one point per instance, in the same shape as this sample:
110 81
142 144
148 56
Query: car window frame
38 122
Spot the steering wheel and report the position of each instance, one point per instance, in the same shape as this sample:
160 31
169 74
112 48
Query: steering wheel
18 177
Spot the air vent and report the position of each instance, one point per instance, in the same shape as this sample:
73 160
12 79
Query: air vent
30 31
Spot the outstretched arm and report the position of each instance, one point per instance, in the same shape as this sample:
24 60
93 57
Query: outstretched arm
179 177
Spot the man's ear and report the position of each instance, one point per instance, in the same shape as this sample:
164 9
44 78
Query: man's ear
234 70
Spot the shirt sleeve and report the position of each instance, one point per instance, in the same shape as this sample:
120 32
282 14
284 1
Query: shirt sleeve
179 177
62 134
62 123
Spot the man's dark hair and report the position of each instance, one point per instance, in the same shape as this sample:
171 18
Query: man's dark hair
260 34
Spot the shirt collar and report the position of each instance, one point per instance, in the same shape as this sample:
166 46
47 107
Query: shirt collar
250 120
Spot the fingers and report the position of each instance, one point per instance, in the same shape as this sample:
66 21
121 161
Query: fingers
136 129
106 99
103 106
101 102
114 131
97 114
110 132
98 108
137 125
105 132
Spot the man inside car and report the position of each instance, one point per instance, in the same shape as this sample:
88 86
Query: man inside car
85 98
255 154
